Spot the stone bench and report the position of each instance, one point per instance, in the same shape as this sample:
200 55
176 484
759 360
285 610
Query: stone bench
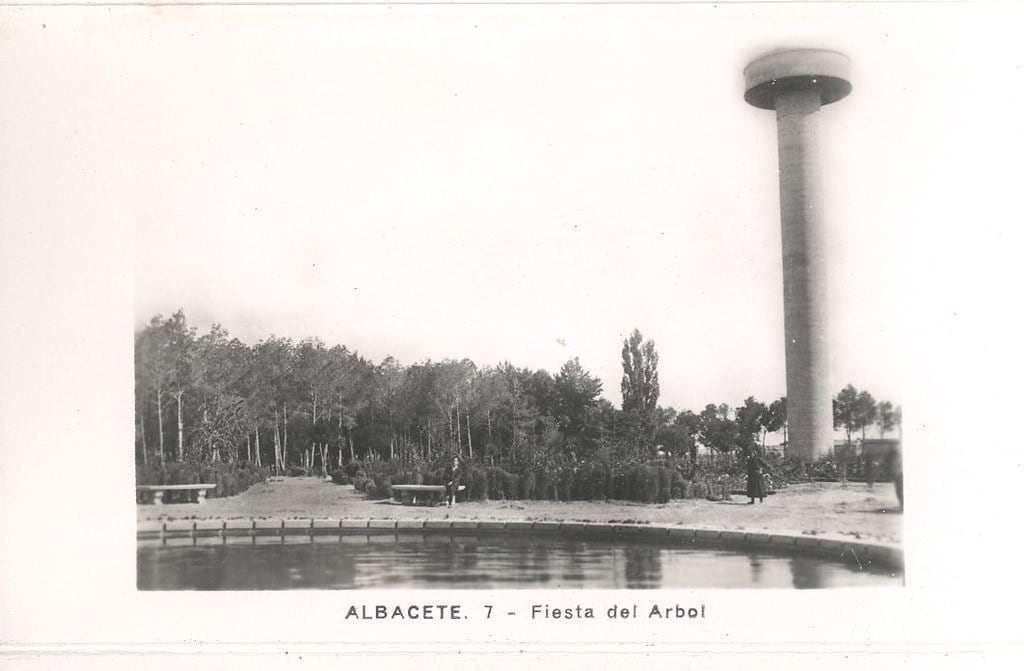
158 491
430 494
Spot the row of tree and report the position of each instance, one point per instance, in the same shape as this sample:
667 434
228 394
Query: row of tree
307 405
855 411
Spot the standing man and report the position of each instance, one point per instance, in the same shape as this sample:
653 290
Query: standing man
451 480
870 464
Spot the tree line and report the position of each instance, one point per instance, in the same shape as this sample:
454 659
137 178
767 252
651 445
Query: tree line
305 406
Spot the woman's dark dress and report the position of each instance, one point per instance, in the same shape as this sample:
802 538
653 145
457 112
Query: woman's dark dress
451 483
755 478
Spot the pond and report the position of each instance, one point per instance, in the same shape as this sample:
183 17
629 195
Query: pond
455 561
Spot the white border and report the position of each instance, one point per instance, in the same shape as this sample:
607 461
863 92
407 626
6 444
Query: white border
67 295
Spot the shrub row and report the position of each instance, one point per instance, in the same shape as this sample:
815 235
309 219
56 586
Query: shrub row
791 470
647 482
230 478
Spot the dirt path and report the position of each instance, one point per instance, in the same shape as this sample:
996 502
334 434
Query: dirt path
825 508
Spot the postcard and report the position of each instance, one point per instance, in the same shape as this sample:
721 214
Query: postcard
514 332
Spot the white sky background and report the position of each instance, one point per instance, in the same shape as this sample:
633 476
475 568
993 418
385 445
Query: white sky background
433 182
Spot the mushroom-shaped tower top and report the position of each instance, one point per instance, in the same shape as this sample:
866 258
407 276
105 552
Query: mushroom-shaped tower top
787 70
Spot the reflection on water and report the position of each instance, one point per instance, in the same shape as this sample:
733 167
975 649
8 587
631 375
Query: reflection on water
807 574
643 565
472 562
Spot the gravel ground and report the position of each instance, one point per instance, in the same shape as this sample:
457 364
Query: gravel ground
824 508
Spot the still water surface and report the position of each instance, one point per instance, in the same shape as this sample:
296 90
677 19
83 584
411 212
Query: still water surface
479 562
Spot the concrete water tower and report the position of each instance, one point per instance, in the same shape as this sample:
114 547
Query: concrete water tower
796 83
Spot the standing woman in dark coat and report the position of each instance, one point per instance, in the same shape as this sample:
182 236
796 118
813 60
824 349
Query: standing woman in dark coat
451 481
755 477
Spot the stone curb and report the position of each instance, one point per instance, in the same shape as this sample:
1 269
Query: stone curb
862 552
682 534
733 537
755 539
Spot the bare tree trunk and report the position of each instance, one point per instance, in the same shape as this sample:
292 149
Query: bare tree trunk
284 445
248 448
277 445
160 421
142 430
458 423
341 446
181 430
515 427
259 460
469 434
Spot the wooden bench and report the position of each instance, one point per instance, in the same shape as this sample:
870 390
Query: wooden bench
158 490
430 494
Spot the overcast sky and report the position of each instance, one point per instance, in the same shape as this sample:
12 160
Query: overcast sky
521 183
492 182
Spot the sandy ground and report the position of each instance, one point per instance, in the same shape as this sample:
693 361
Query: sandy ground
825 508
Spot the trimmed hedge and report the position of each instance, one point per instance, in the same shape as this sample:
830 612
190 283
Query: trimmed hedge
651 481
230 478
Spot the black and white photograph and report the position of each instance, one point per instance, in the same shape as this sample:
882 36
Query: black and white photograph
437 314
569 320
